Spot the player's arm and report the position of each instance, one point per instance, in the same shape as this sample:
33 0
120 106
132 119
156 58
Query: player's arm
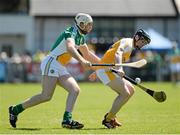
74 53
89 55
119 58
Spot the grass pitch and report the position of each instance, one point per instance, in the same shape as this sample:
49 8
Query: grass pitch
141 115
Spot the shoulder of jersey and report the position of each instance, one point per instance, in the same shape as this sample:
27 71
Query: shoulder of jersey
70 29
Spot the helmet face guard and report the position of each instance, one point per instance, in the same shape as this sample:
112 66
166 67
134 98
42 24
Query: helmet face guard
142 36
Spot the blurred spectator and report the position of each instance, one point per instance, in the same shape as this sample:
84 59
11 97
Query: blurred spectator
17 68
174 59
27 64
3 66
158 62
149 56
38 56
25 67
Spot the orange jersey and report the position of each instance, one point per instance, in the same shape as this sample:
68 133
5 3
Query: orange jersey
126 44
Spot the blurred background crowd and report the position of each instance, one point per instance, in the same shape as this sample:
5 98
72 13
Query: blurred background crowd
29 28
162 66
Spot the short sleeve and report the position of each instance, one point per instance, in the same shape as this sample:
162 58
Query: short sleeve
67 34
123 44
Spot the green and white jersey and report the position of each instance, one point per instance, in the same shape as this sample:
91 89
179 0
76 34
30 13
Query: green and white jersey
59 49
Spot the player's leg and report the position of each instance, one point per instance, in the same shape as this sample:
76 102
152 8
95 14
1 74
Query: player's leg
71 86
129 86
125 90
122 89
49 80
118 85
48 86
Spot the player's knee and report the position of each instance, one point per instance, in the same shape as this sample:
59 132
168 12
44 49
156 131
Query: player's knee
76 91
131 91
46 98
126 94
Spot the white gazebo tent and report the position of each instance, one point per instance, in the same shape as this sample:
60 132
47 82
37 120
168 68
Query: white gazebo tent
158 42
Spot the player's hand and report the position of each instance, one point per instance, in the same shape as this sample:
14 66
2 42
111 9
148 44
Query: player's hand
86 64
92 77
120 72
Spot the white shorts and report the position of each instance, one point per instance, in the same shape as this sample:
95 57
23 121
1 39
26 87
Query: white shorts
51 67
106 76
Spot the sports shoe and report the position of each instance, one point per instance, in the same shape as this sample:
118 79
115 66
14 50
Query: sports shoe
117 123
71 124
12 118
112 123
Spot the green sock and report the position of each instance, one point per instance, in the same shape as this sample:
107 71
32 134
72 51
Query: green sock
67 116
17 109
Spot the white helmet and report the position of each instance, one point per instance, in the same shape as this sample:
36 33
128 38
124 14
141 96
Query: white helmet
84 18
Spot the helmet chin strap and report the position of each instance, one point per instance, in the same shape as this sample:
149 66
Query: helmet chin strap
137 48
82 31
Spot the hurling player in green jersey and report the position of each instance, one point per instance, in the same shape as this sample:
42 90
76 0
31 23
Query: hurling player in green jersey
70 43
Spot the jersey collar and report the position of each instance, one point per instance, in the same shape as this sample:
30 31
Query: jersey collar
77 29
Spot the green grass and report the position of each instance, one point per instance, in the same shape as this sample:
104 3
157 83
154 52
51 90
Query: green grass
141 115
